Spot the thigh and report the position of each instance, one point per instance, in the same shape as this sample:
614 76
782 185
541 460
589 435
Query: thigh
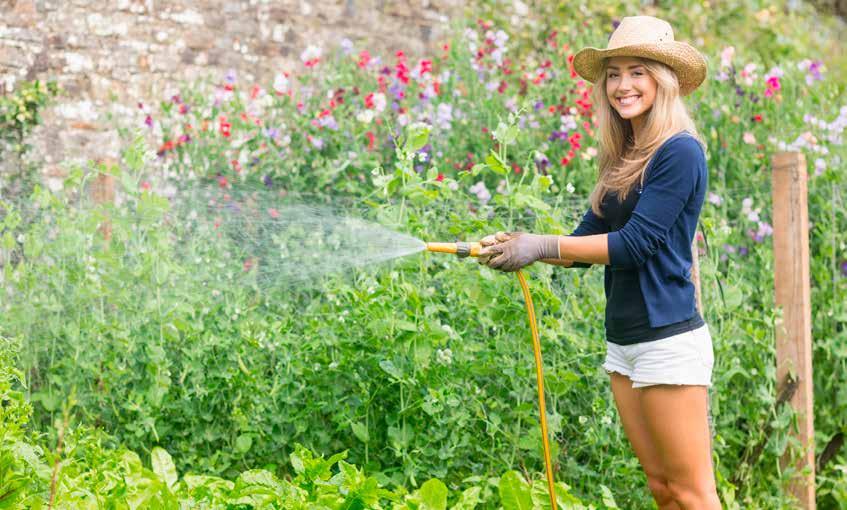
629 407
677 420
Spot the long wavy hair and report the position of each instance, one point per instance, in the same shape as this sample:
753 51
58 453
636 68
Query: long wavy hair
622 161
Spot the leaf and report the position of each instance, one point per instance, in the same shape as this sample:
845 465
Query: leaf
360 431
515 494
243 443
433 495
469 499
608 498
417 135
163 465
495 163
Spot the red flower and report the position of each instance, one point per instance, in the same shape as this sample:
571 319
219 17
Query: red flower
222 182
369 101
224 127
364 59
439 177
425 67
502 87
254 93
145 185
371 140
236 165
757 118
273 212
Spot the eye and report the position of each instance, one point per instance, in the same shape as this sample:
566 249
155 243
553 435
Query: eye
611 75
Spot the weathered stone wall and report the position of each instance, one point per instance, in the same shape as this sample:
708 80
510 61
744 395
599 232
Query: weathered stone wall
110 54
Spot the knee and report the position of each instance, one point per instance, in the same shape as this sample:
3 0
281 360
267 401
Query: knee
694 494
658 486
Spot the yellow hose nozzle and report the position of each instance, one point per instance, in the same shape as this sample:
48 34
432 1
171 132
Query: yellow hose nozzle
460 249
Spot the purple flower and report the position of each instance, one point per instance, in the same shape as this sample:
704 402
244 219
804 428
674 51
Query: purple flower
230 76
615 24
385 70
149 121
557 135
539 105
743 251
844 267
176 99
271 133
269 182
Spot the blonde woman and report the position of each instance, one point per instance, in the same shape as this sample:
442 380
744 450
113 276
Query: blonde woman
640 225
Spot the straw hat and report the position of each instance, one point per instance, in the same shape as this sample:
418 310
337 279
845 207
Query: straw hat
647 37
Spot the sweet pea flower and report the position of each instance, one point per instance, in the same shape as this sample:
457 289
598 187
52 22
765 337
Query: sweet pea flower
749 138
715 199
311 55
726 56
820 166
481 191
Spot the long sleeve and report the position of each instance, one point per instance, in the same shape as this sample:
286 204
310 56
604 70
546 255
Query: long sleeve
591 224
667 189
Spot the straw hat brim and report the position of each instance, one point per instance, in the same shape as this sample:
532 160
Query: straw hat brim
688 63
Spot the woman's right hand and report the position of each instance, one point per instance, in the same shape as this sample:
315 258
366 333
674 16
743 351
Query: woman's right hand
491 240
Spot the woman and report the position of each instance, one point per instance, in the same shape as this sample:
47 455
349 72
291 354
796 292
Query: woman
640 225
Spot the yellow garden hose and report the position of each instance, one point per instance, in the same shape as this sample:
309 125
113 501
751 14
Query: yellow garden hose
472 249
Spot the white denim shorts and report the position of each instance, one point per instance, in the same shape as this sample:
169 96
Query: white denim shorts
686 358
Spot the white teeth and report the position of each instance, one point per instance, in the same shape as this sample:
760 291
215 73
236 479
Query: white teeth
628 100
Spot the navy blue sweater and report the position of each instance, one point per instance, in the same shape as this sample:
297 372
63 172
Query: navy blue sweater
656 239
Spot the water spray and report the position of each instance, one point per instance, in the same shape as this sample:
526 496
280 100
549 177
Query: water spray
465 249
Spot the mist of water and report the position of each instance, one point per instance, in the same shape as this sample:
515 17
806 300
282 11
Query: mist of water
280 244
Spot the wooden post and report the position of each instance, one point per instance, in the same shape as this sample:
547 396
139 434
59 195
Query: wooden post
103 192
793 296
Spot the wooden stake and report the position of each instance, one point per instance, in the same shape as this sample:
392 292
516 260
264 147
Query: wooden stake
793 297
103 192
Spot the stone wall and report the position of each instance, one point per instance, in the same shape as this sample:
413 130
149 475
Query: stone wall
110 54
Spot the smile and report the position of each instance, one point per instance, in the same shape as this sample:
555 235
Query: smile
628 100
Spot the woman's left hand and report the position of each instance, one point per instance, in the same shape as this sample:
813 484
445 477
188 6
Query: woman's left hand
520 250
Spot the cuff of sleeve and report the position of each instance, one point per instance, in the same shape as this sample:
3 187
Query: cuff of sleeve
618 254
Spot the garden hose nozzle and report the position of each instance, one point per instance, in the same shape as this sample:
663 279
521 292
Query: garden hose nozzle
460 249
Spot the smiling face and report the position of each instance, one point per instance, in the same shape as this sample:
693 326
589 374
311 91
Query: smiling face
630 89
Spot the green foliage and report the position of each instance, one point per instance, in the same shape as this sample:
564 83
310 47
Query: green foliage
20 112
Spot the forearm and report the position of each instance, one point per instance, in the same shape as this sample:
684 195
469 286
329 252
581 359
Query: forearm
593 249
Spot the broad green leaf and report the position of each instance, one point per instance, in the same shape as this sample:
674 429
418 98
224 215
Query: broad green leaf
243 443
515 494
163 465
433 495
360 431
495 163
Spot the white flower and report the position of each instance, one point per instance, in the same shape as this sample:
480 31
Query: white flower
379 101
715 199
746 204
726 56
310 53
749 138
365 116
570 188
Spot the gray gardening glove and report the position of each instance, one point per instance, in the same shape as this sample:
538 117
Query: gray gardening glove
520 250
491 240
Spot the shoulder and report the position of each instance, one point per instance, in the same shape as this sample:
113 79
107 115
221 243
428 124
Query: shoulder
682 144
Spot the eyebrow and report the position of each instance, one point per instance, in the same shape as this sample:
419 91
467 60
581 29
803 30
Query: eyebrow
630 67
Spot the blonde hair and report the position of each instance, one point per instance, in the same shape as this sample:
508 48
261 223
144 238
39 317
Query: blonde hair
622 161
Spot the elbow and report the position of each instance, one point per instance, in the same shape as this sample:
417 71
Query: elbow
629 253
